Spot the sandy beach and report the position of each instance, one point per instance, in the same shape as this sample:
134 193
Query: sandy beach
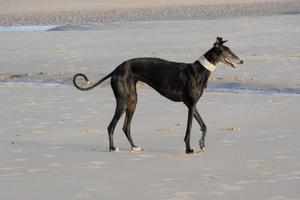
53 138
43 12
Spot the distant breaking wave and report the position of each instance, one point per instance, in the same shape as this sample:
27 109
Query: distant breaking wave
25 28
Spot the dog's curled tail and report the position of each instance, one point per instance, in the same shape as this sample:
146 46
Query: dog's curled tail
86 79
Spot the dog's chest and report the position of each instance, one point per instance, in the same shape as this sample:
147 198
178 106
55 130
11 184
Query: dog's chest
196 86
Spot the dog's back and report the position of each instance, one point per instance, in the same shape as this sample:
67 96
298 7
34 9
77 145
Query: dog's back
168 78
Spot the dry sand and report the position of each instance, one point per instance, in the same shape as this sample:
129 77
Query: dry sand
54 146
33 12
35 6
53 139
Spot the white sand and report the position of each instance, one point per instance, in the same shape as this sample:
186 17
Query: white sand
53 139
59 148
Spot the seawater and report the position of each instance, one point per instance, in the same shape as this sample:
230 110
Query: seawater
25 28
220 88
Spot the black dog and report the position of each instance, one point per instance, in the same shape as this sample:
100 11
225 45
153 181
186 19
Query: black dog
181 82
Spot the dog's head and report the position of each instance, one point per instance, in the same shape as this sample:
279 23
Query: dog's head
224 55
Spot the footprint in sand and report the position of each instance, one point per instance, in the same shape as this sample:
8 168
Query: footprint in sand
156 185
277 198
268 181
284 177
64 108
168 130
283 136
146 155
48 155
55 165
10 168
262 170
38 131
255 161
12 174
91 189
17 151
209 176
56 147
4 129
98 162
89 167
134 159
81 120
296 172
43 124
21 159
16 122
27 119
243 182
213 193
275 101
228 142
185 195
178 124
82 196
67 116
37 170
228 187
283 157
268 139
173 179
184 156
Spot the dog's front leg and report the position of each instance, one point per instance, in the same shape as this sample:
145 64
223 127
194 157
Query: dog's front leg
203 129
188 131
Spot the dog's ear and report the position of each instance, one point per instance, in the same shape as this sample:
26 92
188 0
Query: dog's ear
219 42
219 39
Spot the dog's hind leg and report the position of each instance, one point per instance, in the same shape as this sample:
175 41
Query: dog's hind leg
120 109
131 105
203 129
123 89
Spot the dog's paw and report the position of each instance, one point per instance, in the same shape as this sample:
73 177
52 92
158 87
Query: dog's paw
136 149
114 149
189 151
203 150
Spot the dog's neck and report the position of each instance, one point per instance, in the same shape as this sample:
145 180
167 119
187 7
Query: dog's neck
206 64
209 59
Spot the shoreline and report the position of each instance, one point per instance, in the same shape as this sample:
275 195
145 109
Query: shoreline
235 85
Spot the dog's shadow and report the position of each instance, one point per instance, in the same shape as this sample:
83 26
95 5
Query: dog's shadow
122 149
101 149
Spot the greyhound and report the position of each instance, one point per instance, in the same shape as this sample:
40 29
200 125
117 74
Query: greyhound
180 82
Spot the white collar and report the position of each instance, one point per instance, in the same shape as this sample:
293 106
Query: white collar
209 66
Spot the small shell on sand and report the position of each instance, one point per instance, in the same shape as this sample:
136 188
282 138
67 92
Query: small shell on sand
165 130
91 130
232 130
